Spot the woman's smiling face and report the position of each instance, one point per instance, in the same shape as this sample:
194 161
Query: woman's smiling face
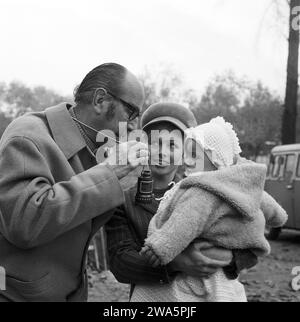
166 150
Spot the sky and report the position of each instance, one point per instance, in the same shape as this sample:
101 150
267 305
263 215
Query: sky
56 42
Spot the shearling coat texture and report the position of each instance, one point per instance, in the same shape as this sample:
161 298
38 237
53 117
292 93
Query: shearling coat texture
227 207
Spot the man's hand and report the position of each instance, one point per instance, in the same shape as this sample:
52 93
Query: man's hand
152 258
125 157
192 261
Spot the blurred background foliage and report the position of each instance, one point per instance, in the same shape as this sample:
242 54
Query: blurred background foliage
253 109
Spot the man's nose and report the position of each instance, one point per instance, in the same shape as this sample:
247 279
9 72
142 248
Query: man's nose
132 125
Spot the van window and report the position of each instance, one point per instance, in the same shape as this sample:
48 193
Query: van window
271 164
298 167
290 166
278 166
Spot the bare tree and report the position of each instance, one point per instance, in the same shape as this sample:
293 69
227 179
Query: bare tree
288 130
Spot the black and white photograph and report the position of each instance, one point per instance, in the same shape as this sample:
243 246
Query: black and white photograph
149 154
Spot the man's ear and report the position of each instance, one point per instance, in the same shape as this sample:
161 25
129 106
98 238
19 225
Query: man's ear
98 100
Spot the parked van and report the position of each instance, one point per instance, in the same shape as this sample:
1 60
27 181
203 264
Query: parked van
283 183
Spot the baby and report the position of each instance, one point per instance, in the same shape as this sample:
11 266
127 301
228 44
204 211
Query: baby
221 201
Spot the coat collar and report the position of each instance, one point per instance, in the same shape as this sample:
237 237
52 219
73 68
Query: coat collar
64 130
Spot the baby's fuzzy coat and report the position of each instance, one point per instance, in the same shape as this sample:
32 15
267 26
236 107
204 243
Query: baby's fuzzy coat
227 207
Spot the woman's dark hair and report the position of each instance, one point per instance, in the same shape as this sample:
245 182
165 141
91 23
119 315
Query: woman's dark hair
110 76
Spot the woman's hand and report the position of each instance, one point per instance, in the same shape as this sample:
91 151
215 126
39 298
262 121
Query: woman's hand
192 261
152 258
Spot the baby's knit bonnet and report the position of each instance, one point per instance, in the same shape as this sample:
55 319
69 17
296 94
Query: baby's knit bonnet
218 137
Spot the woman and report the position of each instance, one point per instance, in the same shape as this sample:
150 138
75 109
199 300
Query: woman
127 229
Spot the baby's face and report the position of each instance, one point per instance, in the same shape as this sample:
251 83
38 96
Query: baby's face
195 159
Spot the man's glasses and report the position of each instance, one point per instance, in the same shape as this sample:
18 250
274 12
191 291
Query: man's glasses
134 110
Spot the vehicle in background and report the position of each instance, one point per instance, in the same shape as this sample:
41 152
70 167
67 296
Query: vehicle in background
283 183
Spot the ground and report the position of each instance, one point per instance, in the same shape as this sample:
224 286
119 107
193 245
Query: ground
269 281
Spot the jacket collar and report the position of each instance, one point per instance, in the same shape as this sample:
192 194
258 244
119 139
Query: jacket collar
64 130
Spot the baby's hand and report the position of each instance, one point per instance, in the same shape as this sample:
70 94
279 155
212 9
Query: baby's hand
152 258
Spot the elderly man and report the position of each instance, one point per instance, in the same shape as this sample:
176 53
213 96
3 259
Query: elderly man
53 194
